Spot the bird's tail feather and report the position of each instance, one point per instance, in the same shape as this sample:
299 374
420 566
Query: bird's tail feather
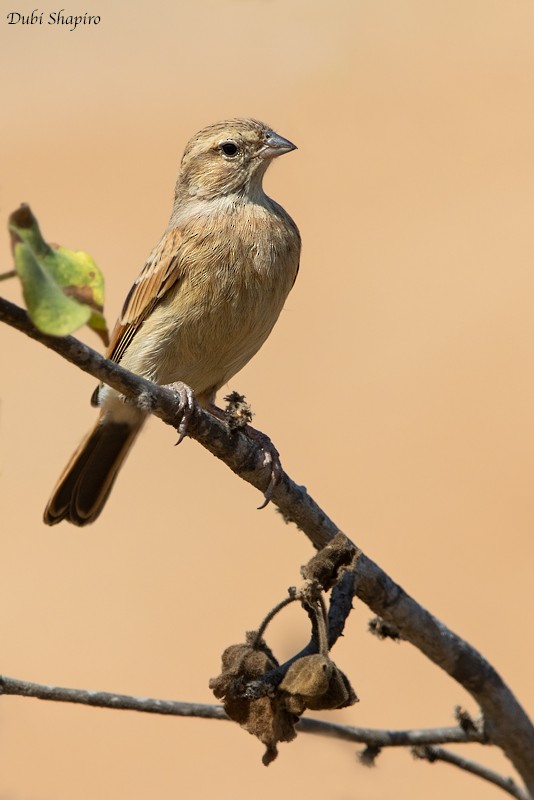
83 488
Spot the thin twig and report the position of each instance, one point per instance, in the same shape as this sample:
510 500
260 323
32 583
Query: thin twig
506 723
433 754
270 616
370 736
5 275
377 737
124 702
319 609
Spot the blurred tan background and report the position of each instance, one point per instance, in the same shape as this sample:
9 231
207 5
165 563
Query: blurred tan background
398 383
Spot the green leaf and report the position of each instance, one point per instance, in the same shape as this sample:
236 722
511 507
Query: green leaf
63 289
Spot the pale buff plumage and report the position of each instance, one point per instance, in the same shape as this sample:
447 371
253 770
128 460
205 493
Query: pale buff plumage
202 306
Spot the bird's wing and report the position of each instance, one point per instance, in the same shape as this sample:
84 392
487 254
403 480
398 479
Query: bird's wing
160 272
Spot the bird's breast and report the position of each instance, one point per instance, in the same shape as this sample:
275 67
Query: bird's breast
237 269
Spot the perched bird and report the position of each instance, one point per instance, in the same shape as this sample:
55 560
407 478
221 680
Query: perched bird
204 303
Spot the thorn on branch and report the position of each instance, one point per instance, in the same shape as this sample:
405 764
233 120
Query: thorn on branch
466 721
383 630
368 756
424 753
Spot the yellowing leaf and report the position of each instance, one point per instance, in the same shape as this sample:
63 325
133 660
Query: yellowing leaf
62 289
50 310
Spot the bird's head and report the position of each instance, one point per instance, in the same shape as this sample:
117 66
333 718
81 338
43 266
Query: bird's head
229 157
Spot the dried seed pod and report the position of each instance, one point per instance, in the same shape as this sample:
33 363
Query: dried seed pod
265 716
242 663
338 695
308 676
315 682
326 566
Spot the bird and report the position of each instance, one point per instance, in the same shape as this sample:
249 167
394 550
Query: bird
203 305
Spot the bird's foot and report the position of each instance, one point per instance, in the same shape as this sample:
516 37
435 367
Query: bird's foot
271 459
188 404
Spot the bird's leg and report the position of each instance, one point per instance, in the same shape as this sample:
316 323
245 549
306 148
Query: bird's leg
188 404
271 456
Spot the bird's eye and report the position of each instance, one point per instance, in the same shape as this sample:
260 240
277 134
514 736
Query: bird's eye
229 149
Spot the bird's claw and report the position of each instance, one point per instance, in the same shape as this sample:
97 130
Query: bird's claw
188 405
271 459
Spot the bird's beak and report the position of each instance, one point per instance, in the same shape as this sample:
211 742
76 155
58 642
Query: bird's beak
275 145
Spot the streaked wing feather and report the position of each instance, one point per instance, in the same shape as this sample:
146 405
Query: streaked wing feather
156 278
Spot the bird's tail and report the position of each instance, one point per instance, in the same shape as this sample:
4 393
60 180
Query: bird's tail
83 488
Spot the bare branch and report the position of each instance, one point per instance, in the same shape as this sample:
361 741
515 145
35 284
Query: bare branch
147 705
376 737
419 739
433 754
506 723
124 702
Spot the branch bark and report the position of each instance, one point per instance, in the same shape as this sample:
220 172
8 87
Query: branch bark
506 723
420 739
